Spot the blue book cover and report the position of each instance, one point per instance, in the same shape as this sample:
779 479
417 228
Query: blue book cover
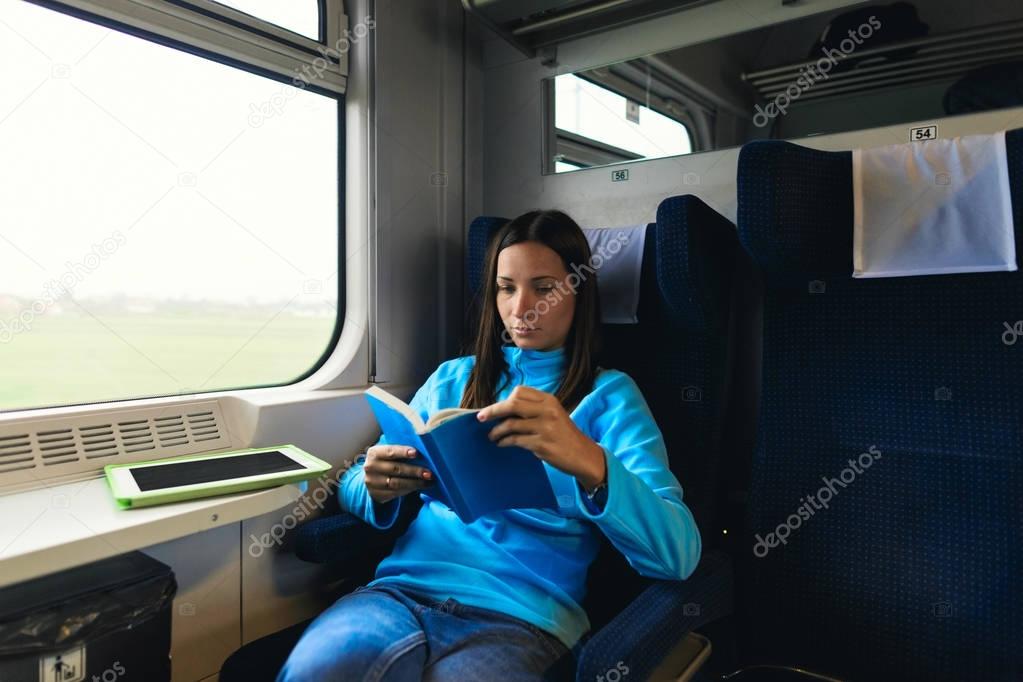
474 475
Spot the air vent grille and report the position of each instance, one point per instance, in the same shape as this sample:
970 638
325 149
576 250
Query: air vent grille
59 446
16 453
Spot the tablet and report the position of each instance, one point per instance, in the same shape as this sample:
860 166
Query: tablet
159 481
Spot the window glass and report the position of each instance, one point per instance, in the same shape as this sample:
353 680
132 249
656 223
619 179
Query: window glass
594 112
168 224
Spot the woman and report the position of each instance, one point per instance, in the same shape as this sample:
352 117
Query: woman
500 598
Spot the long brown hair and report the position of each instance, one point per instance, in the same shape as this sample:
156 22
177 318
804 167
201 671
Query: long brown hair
560 233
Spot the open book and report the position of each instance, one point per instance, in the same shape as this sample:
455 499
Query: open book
474 476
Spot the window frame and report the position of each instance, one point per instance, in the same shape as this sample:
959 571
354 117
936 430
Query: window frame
219 32
587 152
267 28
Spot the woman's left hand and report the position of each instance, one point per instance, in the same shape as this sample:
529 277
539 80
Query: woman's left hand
537 421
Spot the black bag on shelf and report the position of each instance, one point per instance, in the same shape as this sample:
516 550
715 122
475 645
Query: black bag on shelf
887 24
109 620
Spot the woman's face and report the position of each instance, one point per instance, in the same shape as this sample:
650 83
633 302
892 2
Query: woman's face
535 305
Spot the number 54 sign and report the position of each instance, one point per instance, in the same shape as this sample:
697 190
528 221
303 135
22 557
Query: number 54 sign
923 133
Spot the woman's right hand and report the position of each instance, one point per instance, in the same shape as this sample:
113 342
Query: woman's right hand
388 475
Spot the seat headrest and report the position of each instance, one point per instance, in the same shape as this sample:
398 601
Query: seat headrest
617 254
485 227
695 249
795 215
480 232
691 247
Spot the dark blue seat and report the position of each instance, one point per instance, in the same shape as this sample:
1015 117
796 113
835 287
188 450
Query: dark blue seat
912 572
677 354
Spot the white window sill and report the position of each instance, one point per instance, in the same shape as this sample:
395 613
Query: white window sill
50 529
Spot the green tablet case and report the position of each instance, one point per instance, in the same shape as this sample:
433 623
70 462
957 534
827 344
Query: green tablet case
127 499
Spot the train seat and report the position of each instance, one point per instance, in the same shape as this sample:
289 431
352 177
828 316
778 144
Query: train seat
895 404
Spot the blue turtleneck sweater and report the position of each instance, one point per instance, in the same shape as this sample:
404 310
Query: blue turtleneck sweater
532 563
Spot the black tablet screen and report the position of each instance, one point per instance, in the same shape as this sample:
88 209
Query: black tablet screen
210 470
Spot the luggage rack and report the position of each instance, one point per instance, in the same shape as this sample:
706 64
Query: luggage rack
535 24
934 58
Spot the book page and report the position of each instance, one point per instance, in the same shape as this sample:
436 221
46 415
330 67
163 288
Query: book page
441 416
398 405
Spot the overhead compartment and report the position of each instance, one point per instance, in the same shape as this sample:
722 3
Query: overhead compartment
934 58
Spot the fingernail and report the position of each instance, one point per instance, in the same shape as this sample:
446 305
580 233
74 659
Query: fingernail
427 474
410 452
481 416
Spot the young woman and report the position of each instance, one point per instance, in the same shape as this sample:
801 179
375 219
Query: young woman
500 598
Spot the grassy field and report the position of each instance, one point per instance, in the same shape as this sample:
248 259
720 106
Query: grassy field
68 359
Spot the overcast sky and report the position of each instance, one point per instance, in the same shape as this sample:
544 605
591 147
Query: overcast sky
103 132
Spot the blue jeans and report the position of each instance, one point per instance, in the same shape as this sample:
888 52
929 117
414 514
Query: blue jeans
384 633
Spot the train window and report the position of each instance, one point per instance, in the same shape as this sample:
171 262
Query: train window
596 126
845 69
170 223
300 16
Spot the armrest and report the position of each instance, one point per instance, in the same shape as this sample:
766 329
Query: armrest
346 539
339 537
663 614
